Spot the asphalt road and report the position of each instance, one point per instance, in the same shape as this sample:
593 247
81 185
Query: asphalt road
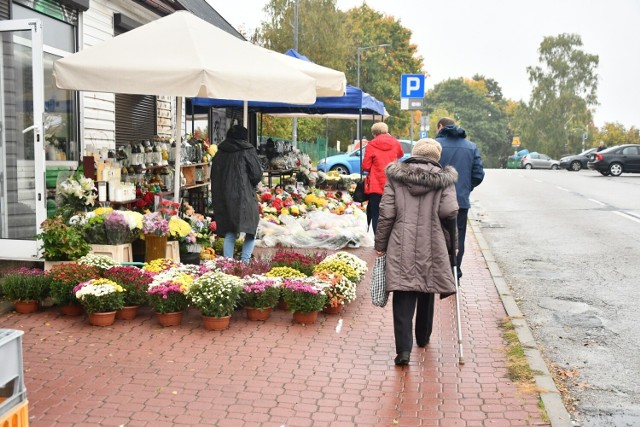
569 245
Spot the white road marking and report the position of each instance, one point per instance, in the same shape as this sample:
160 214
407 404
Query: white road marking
561 188
624 215
596 201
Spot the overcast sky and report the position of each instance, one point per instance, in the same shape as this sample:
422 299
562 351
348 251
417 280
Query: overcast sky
500 38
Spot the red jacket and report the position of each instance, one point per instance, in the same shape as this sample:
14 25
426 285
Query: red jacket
380 151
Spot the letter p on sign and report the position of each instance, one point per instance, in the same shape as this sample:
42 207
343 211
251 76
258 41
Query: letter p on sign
412 86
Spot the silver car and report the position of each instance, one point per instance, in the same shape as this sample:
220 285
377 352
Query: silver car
539 161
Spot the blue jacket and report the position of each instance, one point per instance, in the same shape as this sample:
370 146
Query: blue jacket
464 156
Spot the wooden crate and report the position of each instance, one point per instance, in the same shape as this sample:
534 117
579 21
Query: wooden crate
119 253
173 250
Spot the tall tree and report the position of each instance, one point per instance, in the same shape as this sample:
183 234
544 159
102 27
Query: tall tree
564 92
381 68
471 107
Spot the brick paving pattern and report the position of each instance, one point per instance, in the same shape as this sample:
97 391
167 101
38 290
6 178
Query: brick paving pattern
276 373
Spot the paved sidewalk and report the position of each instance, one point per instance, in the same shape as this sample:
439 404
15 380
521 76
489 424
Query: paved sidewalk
276 373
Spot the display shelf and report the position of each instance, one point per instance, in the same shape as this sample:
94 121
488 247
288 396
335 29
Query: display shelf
189 187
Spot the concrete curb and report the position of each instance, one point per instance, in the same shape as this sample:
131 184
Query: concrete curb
558 414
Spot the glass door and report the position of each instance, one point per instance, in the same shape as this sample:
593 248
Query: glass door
22 160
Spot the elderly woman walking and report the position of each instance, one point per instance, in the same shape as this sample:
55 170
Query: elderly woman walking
418 196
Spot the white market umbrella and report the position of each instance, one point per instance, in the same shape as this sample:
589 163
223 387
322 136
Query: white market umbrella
184 56
329 82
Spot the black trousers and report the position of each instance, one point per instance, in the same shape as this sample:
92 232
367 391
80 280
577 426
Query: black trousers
462 233
404 306
373 209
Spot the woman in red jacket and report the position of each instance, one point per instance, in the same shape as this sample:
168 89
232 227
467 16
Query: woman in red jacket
380 151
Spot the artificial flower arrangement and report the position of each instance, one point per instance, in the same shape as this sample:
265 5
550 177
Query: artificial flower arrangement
26 284
260 291
154 223
338 266
101 262
339 289
144 203
135 282
304 263
359 265
215 294
64 277
167 291
285 272
168 208
100 295
304 295
61 242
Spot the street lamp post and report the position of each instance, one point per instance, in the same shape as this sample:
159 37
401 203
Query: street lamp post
359 126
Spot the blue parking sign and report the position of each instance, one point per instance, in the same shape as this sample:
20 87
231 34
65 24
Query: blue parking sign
424 135
412 86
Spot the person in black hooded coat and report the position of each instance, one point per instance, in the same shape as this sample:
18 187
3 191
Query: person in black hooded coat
235 172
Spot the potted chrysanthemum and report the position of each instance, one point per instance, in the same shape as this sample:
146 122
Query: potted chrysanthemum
260 294
26 287
64 277
101 262
101 298
135 282
339 290
216 295
167 296
304 297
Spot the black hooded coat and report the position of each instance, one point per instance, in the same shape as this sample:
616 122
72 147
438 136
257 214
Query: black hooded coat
235 172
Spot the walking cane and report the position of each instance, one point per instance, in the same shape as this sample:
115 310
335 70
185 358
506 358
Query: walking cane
452 228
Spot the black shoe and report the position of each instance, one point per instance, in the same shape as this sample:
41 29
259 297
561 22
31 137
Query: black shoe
403 358
422 344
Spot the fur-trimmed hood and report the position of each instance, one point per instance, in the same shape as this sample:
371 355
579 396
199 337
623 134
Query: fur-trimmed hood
421 175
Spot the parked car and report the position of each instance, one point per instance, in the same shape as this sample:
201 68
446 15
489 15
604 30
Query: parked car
536 160
576 162
615 160
349 163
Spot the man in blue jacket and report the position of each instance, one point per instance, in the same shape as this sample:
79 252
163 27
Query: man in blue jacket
464 156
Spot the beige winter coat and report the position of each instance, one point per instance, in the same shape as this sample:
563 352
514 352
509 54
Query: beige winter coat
417 196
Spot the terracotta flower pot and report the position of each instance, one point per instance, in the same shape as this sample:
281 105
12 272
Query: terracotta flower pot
155 247
305 317
170 319
258 313
102 319
26 307
72 309
127 313
216 323
333 310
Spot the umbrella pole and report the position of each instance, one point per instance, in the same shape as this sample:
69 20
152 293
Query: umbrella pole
245 114
177 180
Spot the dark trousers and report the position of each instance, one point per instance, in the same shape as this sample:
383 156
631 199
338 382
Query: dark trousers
373 209
462 232
404 305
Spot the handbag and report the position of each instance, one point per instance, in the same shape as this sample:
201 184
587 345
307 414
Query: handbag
359 194
379 295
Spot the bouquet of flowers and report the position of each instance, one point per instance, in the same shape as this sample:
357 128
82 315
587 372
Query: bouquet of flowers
134 281
145 202
101 262
216 294
64 277
75 194
26 284
168 208
154 223
93 229
301 262
167 291
118 228
100 295
338 288
260 291
304 295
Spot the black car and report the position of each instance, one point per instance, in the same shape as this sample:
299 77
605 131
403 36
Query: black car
576 162
615 160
